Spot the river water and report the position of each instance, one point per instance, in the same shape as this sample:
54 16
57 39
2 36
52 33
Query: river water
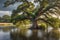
4 35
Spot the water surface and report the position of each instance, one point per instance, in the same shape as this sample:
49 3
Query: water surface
4 35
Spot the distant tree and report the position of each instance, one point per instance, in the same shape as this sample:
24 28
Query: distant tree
0 19
6 18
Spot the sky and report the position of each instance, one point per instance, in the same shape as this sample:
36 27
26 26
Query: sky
7 10
4 10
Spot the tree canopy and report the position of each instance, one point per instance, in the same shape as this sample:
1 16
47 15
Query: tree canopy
43 12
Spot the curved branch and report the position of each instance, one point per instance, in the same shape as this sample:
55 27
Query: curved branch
44 10
46 21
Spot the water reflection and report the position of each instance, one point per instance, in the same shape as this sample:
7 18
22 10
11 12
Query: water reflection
26 34
4 35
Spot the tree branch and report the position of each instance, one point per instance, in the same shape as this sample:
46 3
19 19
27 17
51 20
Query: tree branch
46 21
44 10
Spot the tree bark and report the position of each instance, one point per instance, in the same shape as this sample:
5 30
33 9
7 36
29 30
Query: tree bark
34 24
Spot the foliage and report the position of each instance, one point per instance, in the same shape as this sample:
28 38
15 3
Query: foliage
33 14
26 7
55 22
5 18
23 24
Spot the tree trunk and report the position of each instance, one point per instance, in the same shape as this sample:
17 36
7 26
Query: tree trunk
34 24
